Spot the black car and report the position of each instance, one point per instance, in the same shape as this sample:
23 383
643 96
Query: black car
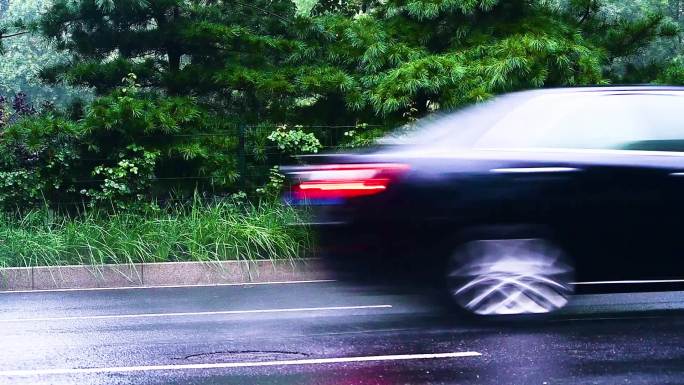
517 202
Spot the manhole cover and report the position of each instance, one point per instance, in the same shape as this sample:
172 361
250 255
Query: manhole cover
244 355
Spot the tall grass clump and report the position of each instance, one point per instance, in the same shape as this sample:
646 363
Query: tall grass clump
196 231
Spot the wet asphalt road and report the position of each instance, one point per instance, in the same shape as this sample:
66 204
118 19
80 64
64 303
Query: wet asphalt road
303 332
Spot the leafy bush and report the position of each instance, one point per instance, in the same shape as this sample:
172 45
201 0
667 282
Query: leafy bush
128 148
274 187
295 140
38 157
126 183
362 136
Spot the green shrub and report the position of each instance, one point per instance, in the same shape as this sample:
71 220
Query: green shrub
39 162
128 181
128 148
294 140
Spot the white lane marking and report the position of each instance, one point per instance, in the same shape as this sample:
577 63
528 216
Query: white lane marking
170 286
227 365
606 318
629 282
187 314
527 170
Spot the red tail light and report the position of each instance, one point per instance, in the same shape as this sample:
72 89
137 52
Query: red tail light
342 181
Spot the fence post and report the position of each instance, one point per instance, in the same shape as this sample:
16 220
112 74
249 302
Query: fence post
242 167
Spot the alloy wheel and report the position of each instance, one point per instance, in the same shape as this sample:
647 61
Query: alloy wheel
510 276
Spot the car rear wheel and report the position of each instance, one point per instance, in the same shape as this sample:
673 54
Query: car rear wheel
510 276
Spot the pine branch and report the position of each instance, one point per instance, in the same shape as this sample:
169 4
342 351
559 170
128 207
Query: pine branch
14 34
587 13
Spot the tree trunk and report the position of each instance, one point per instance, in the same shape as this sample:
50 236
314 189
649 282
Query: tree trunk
172 46
174 60
173 51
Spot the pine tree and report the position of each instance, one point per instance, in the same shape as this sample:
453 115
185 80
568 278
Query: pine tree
226 62
379 60
407 57
226 52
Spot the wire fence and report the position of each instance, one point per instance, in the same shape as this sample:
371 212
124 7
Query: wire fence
254 156
331 138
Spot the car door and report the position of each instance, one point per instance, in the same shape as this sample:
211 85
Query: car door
624 227
626 214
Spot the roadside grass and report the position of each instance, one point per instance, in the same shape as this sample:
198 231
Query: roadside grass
194 232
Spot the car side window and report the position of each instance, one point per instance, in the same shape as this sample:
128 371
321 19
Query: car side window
626 122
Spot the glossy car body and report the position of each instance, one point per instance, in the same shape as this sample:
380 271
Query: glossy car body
598 172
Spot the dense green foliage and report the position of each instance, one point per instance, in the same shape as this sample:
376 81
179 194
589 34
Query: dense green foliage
263 62
405 58
111 154
228 53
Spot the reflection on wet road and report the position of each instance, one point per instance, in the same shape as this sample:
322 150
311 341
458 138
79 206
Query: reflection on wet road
329 333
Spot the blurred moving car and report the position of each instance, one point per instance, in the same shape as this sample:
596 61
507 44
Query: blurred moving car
516 202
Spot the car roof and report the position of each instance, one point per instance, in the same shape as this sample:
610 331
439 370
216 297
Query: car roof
608 89
433 126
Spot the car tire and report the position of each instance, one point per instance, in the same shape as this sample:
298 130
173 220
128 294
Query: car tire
509 275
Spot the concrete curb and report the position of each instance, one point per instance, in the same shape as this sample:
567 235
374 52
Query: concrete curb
159 274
